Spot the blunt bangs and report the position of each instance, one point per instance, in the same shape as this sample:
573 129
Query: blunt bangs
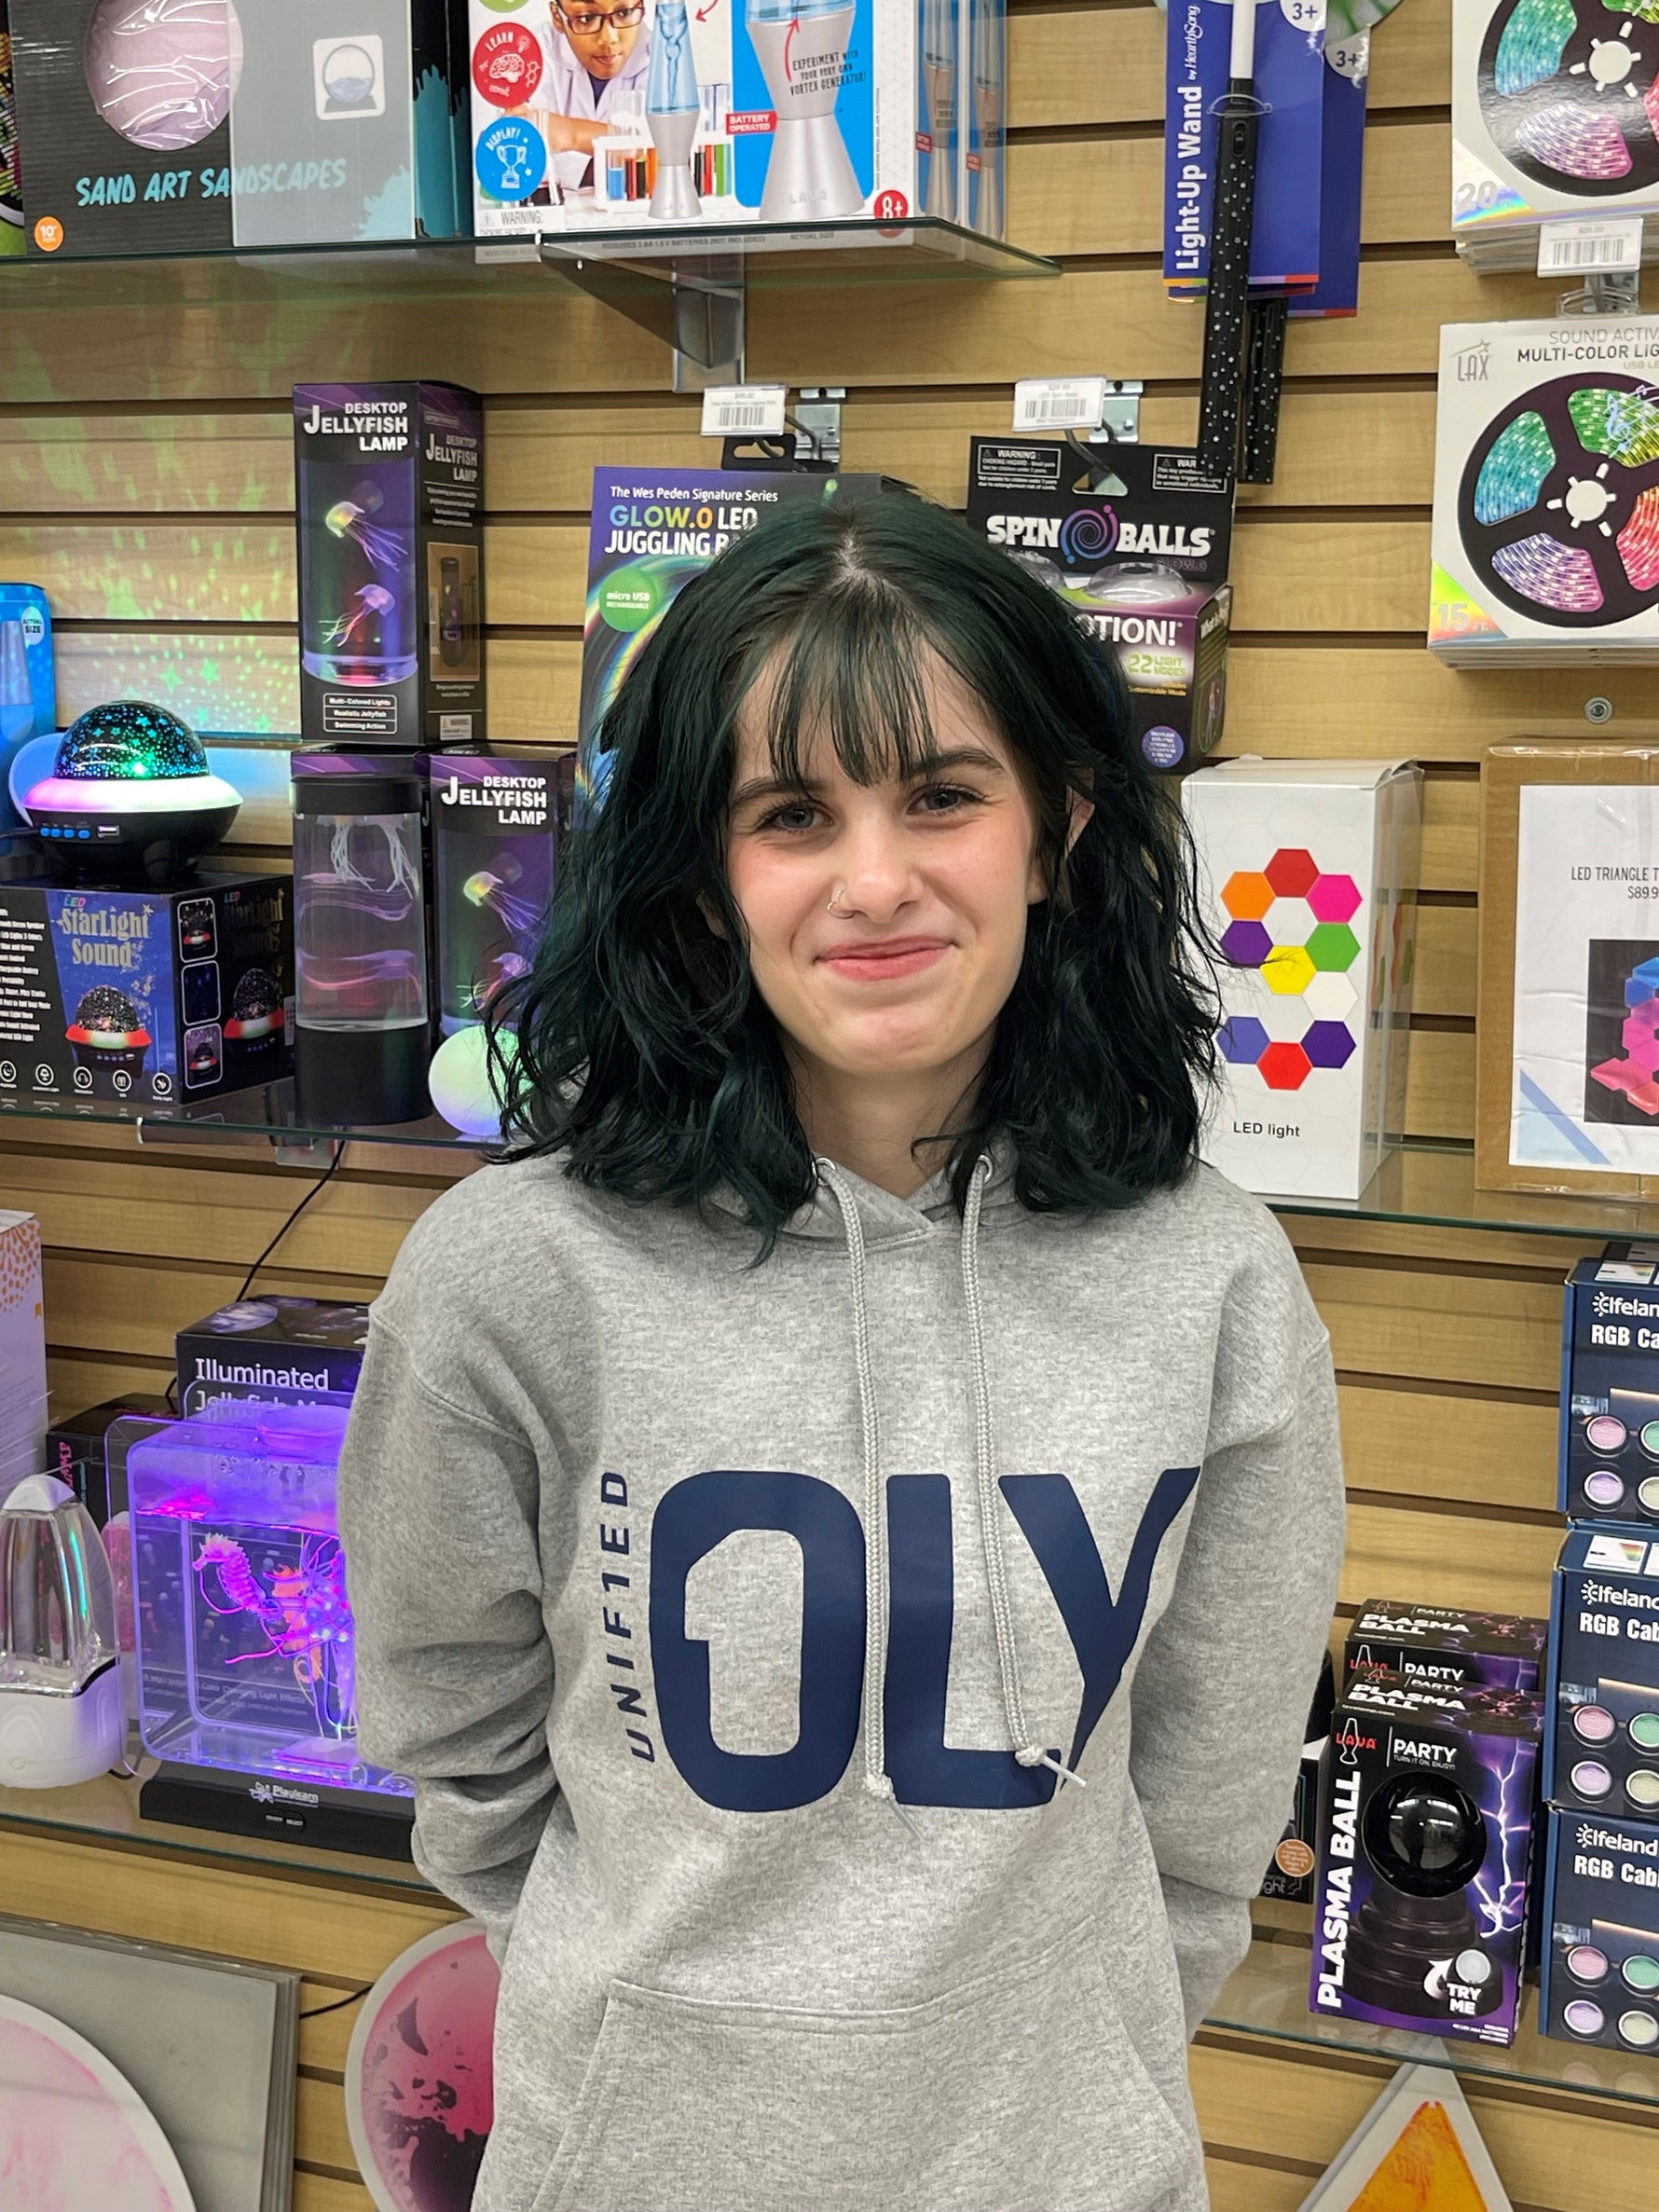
646 1058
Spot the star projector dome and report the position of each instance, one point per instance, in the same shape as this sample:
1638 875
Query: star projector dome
130 798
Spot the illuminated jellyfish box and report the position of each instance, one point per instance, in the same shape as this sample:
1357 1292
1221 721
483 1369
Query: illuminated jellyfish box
1546 492
246 1644
1555 112
1310 872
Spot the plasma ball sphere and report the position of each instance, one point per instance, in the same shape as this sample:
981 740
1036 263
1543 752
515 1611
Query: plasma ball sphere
163 73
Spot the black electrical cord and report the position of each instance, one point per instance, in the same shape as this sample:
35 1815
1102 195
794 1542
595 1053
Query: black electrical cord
317 2011
339 1154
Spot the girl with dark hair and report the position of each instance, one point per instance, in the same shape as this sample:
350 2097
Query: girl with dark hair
843 1521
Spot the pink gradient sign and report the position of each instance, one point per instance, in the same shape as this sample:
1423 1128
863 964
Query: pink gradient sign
420 2074
75 2135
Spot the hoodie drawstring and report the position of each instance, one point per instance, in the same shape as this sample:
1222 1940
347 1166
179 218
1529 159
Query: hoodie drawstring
876 1779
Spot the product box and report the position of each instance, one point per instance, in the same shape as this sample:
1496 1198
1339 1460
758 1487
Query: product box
1136 538
1426 1831
984 137
1290 1876
1341 174
1603 1749
1609 1457
28 685
12 173
1310 875
155 997
76 1448
494 825
1602 1907
182 128
22 1351
1545 538
1436 1647
1552 115
278 1351
1290 84
776 111
1567 1069
391 487
944 93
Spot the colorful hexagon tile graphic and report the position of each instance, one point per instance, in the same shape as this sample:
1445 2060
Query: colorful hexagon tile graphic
1333 947
1247 898
1246 944
1292 873
1242 1040
1287 970
1335 898
1330 996
1329 1044
1284 1067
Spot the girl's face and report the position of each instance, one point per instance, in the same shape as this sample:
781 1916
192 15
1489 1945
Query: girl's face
886 925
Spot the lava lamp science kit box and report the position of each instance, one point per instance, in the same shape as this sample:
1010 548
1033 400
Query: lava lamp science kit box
157 997
1419 1916
776 111
390 489
187 125
1310 878
1601 1917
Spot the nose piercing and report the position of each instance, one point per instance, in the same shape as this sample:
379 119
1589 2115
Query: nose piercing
834 906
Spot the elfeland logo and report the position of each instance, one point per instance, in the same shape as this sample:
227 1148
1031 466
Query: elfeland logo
507 65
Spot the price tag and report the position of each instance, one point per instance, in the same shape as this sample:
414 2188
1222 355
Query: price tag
1060 403
1599 246
744 410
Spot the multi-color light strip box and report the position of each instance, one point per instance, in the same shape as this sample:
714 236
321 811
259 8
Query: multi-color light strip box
1602 1911
1609 1456
1603 1751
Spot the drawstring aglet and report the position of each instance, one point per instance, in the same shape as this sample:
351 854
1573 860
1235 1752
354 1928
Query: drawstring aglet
880 1786
1032 1756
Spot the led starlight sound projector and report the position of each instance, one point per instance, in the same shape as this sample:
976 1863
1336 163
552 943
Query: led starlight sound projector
130 798
802 47
1546 492
1556 111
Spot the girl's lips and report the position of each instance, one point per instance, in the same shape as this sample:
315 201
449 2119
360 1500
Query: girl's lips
885 963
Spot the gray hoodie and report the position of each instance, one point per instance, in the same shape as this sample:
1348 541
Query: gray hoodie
742 1625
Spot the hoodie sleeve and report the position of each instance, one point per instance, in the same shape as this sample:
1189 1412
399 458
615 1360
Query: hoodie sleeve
1222 1693
438 1508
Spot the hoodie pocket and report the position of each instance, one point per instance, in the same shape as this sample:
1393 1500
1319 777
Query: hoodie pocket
1022 2090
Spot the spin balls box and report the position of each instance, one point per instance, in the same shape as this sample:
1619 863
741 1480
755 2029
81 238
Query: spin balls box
310 123
153 997
391 489
1137 539
1434 1942
282 1351
1434 1647
1290 73
1602 1909
1608 1456
1310 875
808 111
1546 540
1603 1750
1546 121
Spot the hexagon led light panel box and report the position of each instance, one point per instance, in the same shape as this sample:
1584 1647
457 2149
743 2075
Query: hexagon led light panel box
1309 872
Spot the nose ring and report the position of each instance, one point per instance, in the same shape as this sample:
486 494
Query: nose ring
834 906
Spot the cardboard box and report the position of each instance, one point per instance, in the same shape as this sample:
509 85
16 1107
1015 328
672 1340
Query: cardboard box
391 484
1436 1647
1290 1874
494 823
75 1449
1542 523
22 1351
1609 1457
984 137
1602 1754
278 1351
1567 1029
1310 877
28 686
1601 1905
268 125
782 114
153 997
1137 539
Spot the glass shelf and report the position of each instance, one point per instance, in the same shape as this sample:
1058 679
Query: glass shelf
1433 1187
267 1112
1268 1996
106 1810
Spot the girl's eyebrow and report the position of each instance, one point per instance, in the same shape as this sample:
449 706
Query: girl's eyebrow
936 764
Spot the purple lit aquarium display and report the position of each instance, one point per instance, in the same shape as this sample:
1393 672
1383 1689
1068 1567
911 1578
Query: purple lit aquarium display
246 1646
130 798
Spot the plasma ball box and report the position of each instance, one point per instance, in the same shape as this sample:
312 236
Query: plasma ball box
155 997
1603 1749
1437 1648
1426 1832
1601 1908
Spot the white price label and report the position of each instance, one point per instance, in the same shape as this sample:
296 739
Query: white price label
744 410
1587 248
1060 403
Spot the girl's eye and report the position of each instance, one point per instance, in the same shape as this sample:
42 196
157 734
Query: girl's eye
948 797
795 813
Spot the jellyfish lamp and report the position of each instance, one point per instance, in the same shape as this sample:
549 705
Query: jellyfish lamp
673 107
130 798
802 46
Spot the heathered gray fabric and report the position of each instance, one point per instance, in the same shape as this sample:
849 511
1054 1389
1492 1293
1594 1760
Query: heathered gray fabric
736 1978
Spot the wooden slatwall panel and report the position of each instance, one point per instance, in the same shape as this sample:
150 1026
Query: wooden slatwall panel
146 478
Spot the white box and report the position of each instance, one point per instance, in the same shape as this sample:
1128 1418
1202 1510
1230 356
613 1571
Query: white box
1309 872
1545 541
1552 114
23 1348
804 113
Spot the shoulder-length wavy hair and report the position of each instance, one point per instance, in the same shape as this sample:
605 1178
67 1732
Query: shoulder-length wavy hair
645 1054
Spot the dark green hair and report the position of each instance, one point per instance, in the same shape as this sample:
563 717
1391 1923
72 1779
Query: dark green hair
646 1057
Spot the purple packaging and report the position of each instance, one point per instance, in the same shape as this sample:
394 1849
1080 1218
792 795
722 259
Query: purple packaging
1427 1814
1437 1647
494 821
1342 168
1288 81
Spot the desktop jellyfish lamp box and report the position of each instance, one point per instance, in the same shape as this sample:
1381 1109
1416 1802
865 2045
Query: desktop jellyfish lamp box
391 483
1310 872
178 125
1546 540
1554 113
246 1642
